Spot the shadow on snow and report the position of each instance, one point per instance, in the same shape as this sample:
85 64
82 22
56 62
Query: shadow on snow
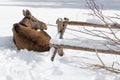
7 43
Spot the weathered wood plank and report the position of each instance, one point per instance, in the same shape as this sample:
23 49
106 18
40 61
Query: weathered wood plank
86 45
114 26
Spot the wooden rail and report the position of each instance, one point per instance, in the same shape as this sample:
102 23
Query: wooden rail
113 26
86 45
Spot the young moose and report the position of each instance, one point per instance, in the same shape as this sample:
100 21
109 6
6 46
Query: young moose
27 37
31 22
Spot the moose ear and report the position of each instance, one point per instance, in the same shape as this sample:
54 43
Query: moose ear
26 13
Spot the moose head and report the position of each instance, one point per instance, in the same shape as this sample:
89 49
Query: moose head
31 22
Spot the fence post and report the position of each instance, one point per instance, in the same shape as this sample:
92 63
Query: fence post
61 26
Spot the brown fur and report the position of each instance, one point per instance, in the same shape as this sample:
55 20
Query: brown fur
27 38
31 22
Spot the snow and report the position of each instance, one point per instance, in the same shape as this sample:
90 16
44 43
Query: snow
31 65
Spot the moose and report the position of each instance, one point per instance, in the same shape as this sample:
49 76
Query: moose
27 36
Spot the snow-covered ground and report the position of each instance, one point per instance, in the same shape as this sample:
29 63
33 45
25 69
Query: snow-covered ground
31 65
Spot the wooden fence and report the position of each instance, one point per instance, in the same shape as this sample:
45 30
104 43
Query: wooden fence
59 43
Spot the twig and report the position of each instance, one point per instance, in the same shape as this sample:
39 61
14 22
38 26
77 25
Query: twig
99 58
117 71
103 66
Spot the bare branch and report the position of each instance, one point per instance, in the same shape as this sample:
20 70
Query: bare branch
97 11
99 58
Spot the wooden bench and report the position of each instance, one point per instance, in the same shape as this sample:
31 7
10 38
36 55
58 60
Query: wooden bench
102 46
